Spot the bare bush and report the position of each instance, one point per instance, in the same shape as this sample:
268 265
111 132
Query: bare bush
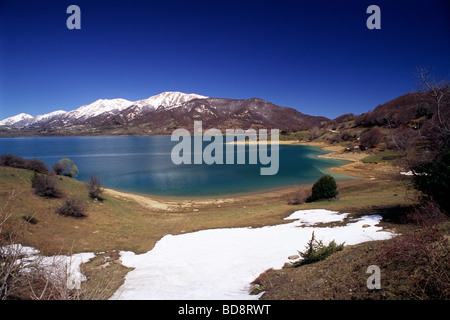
315 133
422 252
407 141
428 213
299 197
36 165
371 138
437 94
425 143
45 185
335 138
72 207
58 168
95 188
9 160
8 262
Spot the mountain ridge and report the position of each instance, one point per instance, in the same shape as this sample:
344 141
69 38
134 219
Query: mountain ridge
101 106
160 114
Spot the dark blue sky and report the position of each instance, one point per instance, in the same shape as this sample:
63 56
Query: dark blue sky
315 56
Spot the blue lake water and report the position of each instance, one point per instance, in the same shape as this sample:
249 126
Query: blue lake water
144 165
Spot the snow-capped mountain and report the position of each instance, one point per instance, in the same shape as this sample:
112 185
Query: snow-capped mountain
101 107
98 107
160 114
46 117
167 100
21 117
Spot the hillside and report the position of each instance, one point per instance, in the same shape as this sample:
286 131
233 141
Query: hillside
407 119
163 113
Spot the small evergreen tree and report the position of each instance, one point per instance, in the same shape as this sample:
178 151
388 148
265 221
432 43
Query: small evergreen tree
317 251
324 188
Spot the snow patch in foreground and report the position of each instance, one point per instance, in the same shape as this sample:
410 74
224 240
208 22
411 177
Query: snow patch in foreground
57 268
221 263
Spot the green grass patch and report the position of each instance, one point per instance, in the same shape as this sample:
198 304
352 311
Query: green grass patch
298 135
382 157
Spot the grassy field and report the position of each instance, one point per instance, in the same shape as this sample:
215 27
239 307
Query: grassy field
119 223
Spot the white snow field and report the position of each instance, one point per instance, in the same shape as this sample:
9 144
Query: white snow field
220 264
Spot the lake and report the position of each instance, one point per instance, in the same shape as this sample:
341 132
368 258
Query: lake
143 165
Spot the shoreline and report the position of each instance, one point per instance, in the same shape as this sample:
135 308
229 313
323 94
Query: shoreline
173 201
355 168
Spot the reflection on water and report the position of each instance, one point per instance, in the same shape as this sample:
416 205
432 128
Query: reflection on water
143 165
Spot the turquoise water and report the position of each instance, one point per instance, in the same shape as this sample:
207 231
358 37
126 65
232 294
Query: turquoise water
144 165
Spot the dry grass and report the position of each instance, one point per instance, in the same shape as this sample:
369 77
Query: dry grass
121 223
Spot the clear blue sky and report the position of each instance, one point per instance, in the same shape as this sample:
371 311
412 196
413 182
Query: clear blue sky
315 56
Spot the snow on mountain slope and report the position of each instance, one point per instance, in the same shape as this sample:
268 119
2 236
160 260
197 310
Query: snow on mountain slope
99 107
15 119
103 107
47 116
167 100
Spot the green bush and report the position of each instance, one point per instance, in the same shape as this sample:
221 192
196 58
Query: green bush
324 188
66 167
317 251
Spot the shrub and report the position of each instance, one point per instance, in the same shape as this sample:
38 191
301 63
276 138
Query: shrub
299 197
335 138
95 188
347 136
315 133
324 188
66 167
45 185
317 251
423 255
30 219
426 214
433 179
58 168
36 165
72 207
9 160
371 138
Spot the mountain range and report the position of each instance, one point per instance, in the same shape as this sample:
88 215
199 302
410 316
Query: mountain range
159 114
